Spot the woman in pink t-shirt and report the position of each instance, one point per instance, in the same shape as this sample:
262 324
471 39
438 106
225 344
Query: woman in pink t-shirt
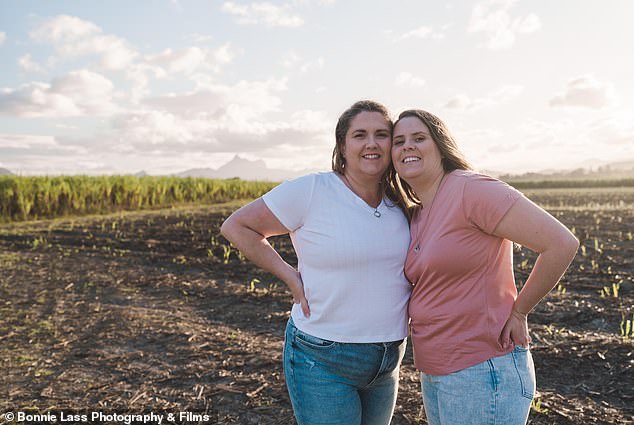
468 323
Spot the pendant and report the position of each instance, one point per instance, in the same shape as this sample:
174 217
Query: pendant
377 214
417 248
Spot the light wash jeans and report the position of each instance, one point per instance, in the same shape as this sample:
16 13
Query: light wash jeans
340 383
498 391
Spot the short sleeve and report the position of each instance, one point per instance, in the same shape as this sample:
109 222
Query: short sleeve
486 200
290 201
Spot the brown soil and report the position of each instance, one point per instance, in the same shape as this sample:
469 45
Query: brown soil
145 312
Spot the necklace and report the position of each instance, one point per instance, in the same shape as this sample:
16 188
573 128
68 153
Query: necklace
431 204
376 212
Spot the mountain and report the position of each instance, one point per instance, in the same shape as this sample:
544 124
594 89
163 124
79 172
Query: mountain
5 172
621 166
609 170
244 169
247 169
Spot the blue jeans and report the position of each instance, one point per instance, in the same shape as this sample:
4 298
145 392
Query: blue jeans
341 383
497 391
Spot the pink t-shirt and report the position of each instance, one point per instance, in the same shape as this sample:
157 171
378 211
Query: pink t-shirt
463 280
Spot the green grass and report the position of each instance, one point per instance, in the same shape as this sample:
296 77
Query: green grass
33 198
570 183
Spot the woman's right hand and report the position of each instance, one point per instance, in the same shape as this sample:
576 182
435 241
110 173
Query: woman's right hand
297 289
247 229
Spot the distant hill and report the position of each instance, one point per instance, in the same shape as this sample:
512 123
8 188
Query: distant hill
611 171
5 172
247 169
244 169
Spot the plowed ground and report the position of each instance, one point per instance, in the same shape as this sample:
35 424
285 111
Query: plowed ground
151 311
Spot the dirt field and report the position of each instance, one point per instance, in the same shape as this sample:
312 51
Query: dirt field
151 311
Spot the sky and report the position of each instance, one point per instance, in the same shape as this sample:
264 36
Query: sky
118 87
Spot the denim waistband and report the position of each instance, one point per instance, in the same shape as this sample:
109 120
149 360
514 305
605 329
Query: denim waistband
381 344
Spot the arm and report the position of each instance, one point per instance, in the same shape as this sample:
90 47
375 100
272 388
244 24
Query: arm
532 227
247 229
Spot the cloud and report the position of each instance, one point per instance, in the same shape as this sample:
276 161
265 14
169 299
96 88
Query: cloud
199 38
216 119
613 131
39 154
29 65
191 59
406 79
492 18
172 134
78 93
293 61
194 62
139 77
543 144
36 100
460 101
3 37
421 33
34 144
500 95
145 128
505 148
64 28
72 37
585 92
239 103
263 13
25 141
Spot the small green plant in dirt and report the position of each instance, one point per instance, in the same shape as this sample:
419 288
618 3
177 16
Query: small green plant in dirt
226 254
552 330
536 406
39 242
181 259
561 289
627 327
25 358
43 372
607 292
252 284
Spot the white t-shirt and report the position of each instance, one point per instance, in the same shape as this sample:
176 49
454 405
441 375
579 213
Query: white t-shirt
351 262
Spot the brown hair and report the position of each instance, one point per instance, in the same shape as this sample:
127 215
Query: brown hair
452 157
339 161
343 125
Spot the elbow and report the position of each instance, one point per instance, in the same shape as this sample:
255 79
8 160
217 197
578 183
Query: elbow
225 229
570 244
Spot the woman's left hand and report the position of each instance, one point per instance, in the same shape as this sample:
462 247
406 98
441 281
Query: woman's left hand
515 330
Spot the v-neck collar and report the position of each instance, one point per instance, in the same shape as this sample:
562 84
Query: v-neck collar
357 199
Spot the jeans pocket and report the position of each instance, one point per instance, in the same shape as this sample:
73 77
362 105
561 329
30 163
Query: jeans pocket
312 341
523 361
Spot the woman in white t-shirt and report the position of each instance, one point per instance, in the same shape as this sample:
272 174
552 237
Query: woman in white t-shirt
346 335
